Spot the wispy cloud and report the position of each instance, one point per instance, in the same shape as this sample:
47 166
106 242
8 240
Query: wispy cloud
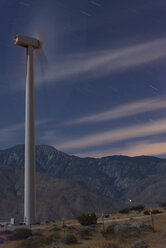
102 63
8 133
133 149
24 4
115 135
129 109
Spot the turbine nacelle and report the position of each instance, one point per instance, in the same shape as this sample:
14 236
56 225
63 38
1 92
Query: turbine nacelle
26 41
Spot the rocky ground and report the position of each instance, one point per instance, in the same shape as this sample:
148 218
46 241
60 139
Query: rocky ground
133 230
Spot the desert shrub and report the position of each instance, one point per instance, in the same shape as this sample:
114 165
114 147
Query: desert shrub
140 244
38 223
106 216
36 232
146 212
111 227
110 231
53 237
68 228
124 211
47 221
87 219
110 245
156 211
138 224
92 227
83 232
138 208
128 233
122 234
148 228
118 227
69 239
35 242
55 229
20 233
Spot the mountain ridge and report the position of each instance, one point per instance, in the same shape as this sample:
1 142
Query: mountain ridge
56 198
118 178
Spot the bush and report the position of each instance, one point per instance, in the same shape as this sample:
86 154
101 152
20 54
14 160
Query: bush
68 228
128 233
55 229
121 226
121 234
53 237
140 244
47 221
156 211
138 224
106 216
20 233
124 211
83 232
35 242
146 212
87 219
138 208
148 228
69 239
110 231
36 232
38 223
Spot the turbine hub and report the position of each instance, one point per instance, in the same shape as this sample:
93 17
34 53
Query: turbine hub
26 41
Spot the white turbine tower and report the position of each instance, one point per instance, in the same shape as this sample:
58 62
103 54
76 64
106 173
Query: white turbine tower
30 186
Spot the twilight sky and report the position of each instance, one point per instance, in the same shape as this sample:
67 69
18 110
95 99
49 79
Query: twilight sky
103 89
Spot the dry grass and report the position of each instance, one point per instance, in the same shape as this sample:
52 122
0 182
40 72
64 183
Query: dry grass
97 240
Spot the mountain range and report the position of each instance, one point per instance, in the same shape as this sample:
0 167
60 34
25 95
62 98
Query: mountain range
68 185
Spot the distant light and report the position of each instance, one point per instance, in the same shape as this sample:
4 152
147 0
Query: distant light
130 200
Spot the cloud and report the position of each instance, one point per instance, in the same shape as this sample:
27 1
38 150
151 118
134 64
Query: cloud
129 109
10 132
49 136
115 135
101 63
24 4
134 149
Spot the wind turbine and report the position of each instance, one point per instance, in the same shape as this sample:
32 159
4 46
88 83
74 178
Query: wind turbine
30 171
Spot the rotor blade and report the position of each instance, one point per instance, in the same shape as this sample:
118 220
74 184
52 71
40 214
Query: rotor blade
42 59
43 62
